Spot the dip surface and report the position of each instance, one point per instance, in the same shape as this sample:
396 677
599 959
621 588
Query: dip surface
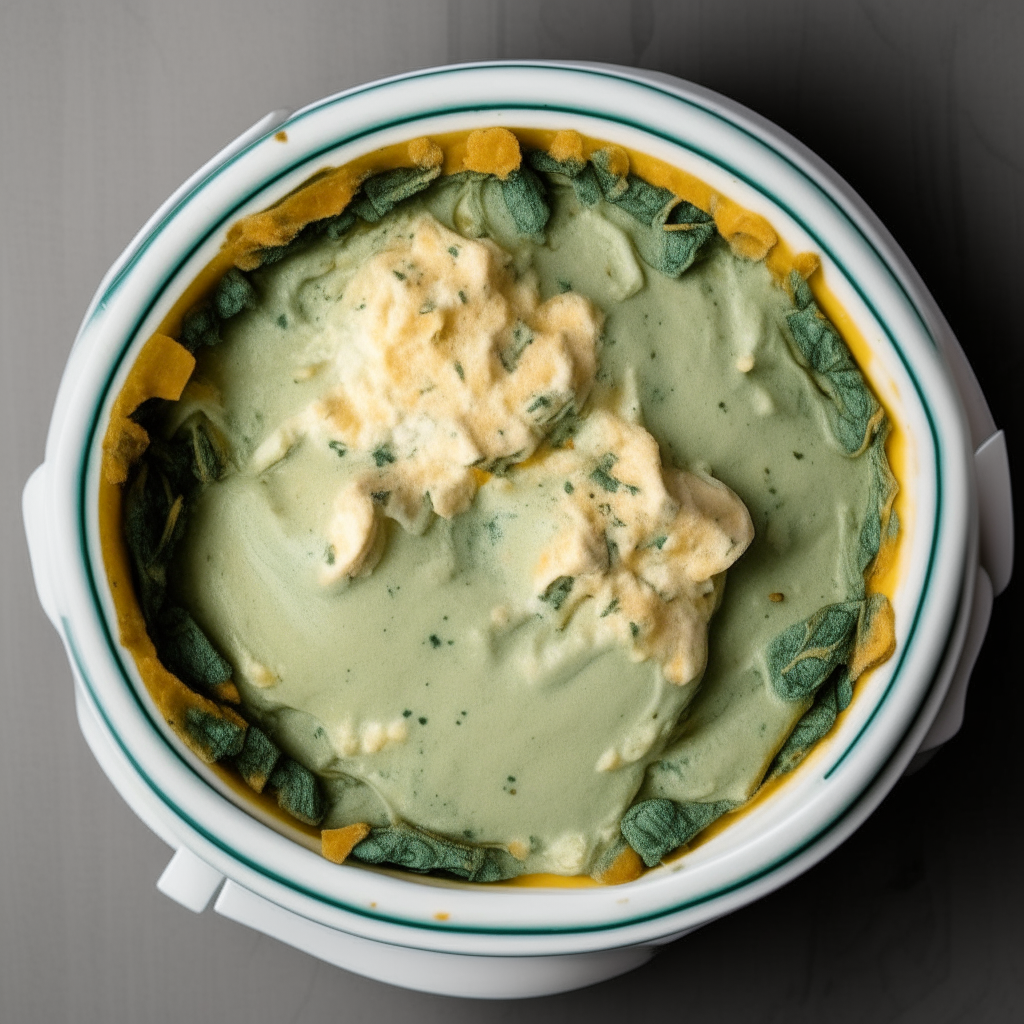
434 689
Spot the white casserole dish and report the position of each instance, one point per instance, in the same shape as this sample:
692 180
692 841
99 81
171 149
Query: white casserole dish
956 551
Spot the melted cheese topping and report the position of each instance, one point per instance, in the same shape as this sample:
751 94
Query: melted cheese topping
447 362
649 544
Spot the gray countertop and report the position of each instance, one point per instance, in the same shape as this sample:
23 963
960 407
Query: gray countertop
109 104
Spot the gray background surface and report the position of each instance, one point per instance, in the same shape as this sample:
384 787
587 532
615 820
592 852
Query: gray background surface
107 105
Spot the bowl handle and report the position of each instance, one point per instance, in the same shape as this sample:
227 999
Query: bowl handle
34 512
995 509
189 880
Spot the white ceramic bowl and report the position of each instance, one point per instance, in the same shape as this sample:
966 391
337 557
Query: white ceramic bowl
524 941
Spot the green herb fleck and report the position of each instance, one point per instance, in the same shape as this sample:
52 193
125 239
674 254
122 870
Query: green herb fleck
613 606
398 274
557 591
462 296
603 479
282 321
565 428
435 640
798 455
329 554
634 629
337 447
613 548
500 467
407 713
383 455
459 370
380 497
569 487
540 402
422 721
453 251
521 337
564 286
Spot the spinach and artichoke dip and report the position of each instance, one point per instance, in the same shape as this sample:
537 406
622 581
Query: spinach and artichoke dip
501 511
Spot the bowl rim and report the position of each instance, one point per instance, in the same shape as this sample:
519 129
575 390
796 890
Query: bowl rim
93 644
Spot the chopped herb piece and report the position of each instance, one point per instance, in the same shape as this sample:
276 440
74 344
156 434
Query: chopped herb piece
606 510
382 192
569 487
522 336
257 759
613 548
421 852
540 402
435 640
459 370
462 296
211 736
329 554
422 721
656 827
659 542
383 455
602 479
282 321
614 604
721 405
398 274
798 455
337 447
853 411
406 713
525 199
634 629
201 326
803 657
427 307
234 293
453 250
380 497
557 591
298 791
564 286
499 467
565 428
186 650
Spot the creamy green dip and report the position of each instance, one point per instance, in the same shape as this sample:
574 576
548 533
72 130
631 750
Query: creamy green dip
487 723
